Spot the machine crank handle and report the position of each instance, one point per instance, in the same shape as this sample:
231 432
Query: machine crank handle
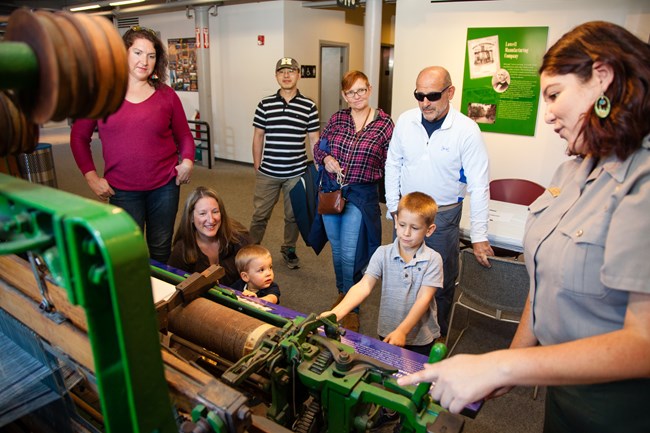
437 354
332 328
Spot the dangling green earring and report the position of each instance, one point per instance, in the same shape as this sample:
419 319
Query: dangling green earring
602 106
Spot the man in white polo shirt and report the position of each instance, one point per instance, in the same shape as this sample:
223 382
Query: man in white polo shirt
437 150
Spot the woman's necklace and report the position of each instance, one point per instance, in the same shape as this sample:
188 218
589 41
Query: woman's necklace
364 121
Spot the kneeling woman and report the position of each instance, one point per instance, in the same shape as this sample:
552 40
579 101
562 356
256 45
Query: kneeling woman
207 236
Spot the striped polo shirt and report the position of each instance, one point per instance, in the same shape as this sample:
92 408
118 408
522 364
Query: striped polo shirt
285 126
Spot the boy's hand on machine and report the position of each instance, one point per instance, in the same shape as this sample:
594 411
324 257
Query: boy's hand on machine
326 314
396 338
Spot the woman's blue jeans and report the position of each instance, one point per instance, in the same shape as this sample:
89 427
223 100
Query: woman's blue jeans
343 234
155 212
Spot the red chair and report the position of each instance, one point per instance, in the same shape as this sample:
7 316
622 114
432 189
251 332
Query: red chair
519 191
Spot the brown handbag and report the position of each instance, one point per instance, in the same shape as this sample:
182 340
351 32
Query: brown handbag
330 202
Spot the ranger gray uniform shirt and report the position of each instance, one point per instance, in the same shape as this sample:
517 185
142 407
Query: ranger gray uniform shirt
587 246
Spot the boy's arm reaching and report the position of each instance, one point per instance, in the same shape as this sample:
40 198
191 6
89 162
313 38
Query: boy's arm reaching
353 298
421 305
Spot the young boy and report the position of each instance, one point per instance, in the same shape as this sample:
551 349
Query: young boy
410 272
255 267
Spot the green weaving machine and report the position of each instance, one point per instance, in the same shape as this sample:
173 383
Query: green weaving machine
166 367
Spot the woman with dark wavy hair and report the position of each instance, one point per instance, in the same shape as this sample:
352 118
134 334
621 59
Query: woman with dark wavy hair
158 75
585 330
207 236
147 145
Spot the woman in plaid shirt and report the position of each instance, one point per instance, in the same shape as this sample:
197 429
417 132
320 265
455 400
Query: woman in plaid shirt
353 150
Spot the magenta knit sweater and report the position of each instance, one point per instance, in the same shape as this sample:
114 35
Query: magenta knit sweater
141 143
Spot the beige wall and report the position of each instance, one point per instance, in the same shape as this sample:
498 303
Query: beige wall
243 72
435 33
306 28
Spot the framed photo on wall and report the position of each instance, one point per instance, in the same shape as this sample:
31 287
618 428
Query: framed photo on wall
182 64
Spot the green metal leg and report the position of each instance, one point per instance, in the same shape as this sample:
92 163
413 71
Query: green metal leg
97 252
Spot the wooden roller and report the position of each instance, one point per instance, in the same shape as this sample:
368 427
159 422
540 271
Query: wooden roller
64 62
220 329
100 56
30 134
6 126
82 68
120 65
85 70
40 100
19 134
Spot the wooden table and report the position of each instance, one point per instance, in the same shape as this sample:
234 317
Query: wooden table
505 227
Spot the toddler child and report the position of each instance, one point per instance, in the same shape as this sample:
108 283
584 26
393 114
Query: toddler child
410 272
255 267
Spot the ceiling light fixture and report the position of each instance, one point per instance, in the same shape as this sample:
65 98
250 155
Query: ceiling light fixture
124 2
84 8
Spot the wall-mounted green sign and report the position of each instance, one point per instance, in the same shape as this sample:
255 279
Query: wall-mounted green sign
501 84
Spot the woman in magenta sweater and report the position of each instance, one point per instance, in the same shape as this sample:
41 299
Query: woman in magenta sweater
147 145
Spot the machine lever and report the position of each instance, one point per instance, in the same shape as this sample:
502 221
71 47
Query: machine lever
39 268
332 328
437 354
188 290
346 361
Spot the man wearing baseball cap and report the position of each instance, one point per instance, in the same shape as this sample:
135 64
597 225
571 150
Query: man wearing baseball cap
282 122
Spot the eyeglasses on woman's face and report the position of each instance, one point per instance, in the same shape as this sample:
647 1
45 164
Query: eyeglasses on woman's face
358 92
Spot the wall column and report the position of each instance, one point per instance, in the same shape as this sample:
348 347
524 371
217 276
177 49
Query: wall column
202 27
372 45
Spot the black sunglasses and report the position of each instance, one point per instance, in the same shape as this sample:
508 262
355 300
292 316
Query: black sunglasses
433 96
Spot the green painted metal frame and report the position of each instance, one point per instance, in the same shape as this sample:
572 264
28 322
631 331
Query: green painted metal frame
346 396
19 66
97 253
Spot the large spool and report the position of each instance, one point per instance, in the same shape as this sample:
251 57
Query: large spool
220 329
56 66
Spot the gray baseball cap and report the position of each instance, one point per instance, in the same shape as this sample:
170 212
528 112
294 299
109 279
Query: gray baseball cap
287 62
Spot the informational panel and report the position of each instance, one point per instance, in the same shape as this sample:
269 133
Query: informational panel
501 82
182 64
